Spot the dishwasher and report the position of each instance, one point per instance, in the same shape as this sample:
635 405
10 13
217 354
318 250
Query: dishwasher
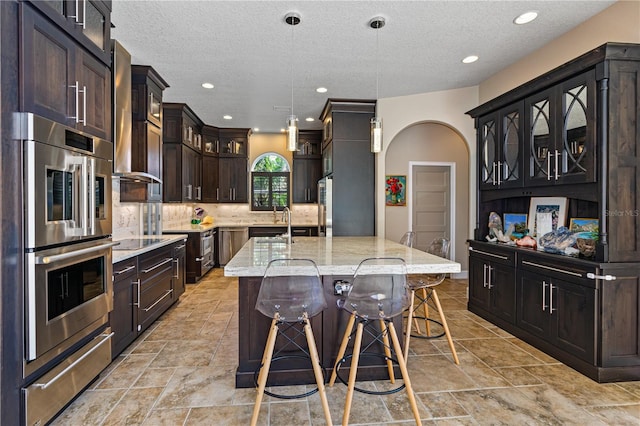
232 239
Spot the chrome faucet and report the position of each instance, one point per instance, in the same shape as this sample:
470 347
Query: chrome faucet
286 215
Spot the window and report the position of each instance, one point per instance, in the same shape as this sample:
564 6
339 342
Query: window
270 182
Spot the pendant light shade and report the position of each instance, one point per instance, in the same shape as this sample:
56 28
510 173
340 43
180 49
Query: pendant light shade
292 133
376 122
292 19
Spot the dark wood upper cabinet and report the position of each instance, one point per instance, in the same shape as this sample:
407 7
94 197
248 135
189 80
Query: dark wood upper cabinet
147 88
61 80
234 142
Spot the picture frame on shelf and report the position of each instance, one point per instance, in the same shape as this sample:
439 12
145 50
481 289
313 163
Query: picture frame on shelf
585 227
395 193
519 222
546 214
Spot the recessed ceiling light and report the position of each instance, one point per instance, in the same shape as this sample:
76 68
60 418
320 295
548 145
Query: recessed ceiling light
256 129
469 59
282 130
321 90
227 117
207 85
309 119
526 17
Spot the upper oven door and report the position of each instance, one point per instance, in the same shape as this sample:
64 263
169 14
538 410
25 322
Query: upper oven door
68 290
68 195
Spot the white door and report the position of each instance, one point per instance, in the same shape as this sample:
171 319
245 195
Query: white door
432 205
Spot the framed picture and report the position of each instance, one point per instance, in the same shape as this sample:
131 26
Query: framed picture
519 222
395 193
586 227
546 214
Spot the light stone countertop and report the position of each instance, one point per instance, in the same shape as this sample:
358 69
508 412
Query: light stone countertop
333 256
187 227
164 240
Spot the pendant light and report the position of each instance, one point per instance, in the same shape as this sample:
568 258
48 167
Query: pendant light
376 122
292 19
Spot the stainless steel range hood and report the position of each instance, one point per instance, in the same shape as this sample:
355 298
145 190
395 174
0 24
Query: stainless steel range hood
122 118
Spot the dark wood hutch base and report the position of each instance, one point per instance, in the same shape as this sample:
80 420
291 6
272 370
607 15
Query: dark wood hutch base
573 132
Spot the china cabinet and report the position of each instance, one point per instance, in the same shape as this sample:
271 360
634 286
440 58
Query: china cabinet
307 167
577 132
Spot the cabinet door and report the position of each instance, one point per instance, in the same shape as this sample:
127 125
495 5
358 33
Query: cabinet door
240 180
306 174
509 166
233 180
179 268
487 147
189 168
95 22
225 180
172 173
95 79
576 141
533 310
503 292
540 138
210 189
478 287
123 317
48 69
573 311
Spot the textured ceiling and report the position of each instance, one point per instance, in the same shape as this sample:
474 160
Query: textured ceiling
247 51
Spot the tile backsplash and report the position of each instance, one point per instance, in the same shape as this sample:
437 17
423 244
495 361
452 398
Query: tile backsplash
129 218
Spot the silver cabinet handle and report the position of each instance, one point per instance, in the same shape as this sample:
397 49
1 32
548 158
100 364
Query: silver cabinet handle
607 277
551 308
180 246
199 259
556 161
168 292
498 170
157 265
189 191
484 275
127 269
198 193
489 285
489 254
177 268
549 154
550 268
217 194
230 194
106 338
494 173
84 105
138 285
544 295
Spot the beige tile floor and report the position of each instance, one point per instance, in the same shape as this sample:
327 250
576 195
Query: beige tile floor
181 372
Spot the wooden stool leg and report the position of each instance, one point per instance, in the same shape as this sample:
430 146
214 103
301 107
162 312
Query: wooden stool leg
343 348
264 371
387 351
405 375
315 361
408 333
445 326
425 308
353 371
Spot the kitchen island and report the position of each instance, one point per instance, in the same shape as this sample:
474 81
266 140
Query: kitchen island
337 259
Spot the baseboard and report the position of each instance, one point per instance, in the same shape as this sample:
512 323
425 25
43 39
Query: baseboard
462 275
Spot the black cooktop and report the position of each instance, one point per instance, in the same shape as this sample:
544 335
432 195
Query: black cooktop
136 244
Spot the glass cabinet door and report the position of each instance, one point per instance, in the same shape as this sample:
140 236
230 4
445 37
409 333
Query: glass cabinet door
488 140
540 136
510 150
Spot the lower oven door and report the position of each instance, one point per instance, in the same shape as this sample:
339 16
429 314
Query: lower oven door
69 294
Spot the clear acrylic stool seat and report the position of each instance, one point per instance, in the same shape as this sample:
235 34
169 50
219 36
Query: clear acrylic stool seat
377 294
290 294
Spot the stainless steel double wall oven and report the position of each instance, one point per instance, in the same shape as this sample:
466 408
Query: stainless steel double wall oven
68 264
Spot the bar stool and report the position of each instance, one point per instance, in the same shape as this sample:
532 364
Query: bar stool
290 294
408 238
377 294
423 288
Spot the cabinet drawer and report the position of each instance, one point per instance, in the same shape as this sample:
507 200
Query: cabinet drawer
504 257
125 270
155 263
555 268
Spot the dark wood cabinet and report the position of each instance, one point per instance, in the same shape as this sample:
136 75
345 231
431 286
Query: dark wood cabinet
156 291
561 132
146 157
306 173
233 180
210 179
124 317
179 269
580 142
234 142
492 282
182 159
348 159
500 137
61 80
210 140
274 231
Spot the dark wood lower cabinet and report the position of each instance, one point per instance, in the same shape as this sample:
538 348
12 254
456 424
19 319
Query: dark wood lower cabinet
144 287
583 313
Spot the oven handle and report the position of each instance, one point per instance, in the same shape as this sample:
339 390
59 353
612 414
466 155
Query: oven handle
63 372
92 196
44 260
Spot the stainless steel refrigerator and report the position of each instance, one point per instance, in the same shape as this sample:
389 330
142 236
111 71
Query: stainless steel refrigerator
325 206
